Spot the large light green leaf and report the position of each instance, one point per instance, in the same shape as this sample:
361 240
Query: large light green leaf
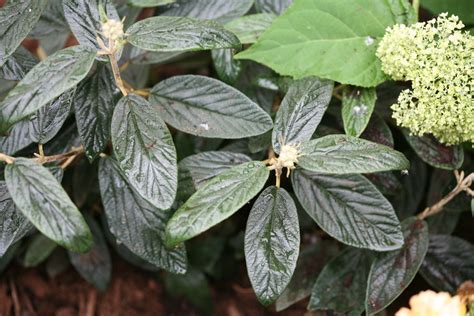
272 242
17 19
217 200
45 82
301 111
313 38
340 154
272 6
350 209
207 107
462 8
136 223
171 34
357 107
250 27
39 196
145 150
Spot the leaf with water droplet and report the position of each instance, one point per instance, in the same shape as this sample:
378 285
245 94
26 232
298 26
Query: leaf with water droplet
357 107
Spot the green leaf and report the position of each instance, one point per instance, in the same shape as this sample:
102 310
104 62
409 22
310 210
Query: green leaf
18 64
222 11
434 153
39 196
217 200
226 67
94 105
17 139
342 284
448 263
206 107
462 8
250 27
350 209
45 82
301 111
94 266
357 107
143 57
145 150
340 154
312 38
136 223
38 251
149 3
171 34
17 19
392 272
272 242
378 131
272 6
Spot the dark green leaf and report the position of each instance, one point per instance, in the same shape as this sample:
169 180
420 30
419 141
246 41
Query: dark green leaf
357 107
145 150
378 131
350 209
206 107
216 200
9 256
272 6
135 222
340 154
250 27
171 34
52 24
149 3
392 272
45 82
39 196
38 250
18 138
144 57
301 111
18 64
462 8
226 67
272 242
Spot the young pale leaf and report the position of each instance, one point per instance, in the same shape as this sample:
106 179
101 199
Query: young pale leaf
357 107
45 82
206 107
250 27
226 67
94 105
392 272
272 6
38 251
18 64
135 222
272 243
342 284
171 34
145 150
448 263
217 200
301 111
330 31
39 196
341 154
350 209
17 19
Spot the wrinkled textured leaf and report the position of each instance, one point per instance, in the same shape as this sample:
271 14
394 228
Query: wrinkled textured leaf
392 272
206 107
145 150
144 57
38 251
171 34
301 111
340 154
45 82
272 6
350 209
448 263
94 105
250 27
136 223
18 64
216 200
18 138
226 67
149 3
310 32
272 242
39 196
357 107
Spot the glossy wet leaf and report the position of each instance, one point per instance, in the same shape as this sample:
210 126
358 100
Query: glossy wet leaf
145 150
40 197
350 209
392 272
272 6
45 82
341 154
18 64
448 263
226 67
357 107
250 27
38 250
206 107
17 19
312 31
171 34
217 200
272 241
301 111
136 223
94 105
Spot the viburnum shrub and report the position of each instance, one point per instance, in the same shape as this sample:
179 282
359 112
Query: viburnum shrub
154 125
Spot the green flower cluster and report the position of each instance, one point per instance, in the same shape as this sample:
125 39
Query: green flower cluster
438 58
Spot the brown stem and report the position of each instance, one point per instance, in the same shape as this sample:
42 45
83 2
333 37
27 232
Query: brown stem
116 70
